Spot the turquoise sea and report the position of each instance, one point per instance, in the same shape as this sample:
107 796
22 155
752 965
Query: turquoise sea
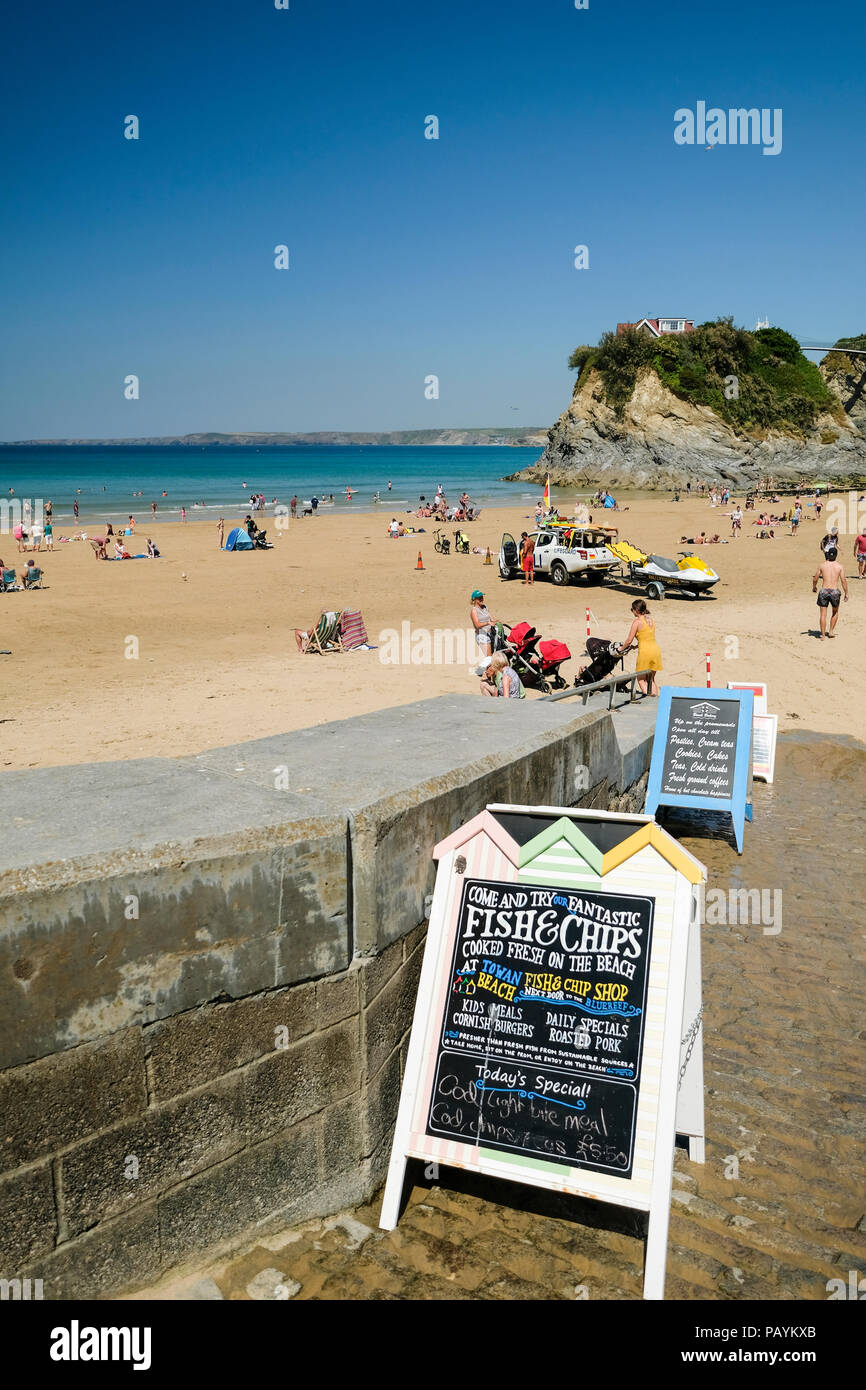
107 479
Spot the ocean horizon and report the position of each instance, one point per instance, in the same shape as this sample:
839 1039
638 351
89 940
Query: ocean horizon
110 481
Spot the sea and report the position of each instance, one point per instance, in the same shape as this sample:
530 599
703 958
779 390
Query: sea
110 481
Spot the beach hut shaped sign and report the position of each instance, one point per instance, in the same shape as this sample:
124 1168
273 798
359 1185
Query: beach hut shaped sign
557 1035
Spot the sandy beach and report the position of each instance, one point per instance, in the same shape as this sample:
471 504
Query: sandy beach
217 661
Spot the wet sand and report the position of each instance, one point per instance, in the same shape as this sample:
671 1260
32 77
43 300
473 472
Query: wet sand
217 661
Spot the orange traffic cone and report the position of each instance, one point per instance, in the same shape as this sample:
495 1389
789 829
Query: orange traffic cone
487 559
420 564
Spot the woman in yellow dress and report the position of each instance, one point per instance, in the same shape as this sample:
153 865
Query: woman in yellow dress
642 634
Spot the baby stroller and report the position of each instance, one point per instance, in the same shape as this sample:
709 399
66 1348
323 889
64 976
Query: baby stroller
260 541
537 662
525 662
603 657
461 543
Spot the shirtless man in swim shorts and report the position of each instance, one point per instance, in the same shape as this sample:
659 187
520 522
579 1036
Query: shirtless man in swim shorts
831 573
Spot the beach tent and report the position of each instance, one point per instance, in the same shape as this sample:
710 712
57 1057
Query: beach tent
238 539
609 501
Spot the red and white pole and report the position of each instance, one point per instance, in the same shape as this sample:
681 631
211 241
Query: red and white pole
588 628
709 681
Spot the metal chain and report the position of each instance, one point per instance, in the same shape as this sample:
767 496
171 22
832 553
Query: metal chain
689 1043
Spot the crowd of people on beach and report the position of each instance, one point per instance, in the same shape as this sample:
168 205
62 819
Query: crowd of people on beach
439 509
503 666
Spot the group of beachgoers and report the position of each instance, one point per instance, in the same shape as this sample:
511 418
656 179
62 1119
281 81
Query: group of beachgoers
439 509
116 539
42 532
31 577
500 662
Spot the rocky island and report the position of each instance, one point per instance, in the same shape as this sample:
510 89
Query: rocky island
719 402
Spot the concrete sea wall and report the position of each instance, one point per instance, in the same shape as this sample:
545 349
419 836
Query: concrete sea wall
207 981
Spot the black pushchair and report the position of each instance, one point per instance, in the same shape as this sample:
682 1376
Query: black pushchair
603 657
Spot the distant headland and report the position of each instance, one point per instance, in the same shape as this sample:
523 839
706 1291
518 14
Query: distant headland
248 439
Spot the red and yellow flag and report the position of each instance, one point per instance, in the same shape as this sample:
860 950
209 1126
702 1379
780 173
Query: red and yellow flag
547 494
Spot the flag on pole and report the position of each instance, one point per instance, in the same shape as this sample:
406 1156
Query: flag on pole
547 494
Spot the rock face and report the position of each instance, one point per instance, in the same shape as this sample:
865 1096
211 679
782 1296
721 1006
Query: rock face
662 441
846 376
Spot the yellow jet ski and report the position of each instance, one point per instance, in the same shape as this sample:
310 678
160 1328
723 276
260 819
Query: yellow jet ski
690 574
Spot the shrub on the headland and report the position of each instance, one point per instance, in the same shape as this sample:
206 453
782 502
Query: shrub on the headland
838 360
754 381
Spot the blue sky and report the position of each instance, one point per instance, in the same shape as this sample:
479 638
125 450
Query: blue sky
409 257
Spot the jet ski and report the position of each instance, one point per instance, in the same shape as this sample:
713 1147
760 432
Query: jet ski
656 573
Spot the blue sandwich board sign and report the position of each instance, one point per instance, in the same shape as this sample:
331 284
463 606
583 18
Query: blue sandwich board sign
702 753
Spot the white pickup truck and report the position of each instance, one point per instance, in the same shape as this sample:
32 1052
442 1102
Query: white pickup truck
564 553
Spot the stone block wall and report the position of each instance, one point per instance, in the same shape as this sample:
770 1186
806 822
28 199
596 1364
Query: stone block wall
204 1009
125 1157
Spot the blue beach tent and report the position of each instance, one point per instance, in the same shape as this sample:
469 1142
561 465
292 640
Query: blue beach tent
237 539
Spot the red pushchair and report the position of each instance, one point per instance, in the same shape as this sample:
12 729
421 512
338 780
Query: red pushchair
537 662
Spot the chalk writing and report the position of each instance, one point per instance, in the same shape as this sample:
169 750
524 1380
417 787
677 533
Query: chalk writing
536 1058
701 749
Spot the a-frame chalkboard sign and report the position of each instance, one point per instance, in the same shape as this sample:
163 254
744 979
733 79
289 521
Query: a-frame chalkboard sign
557 1035
702 753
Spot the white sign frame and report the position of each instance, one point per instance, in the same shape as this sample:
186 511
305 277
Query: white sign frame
768 723
677 1108
758 689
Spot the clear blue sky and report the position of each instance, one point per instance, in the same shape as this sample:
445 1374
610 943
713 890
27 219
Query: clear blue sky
408 256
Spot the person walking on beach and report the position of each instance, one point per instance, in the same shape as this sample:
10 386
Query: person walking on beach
527 558
642 634
796 518
153 509
860 552
221 530
314 503
736 523
183 513
75 509
49 534
831 540
293 505
831 573
482 621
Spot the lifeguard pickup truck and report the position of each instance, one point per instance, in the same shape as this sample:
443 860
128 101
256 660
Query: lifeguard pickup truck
564 553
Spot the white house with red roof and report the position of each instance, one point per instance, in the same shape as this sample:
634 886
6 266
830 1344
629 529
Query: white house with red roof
657 328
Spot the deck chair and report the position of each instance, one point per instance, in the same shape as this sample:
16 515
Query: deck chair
352 630
32 578
326 635
7 581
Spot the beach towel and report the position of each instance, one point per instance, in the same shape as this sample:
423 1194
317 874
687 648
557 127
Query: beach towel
352 629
